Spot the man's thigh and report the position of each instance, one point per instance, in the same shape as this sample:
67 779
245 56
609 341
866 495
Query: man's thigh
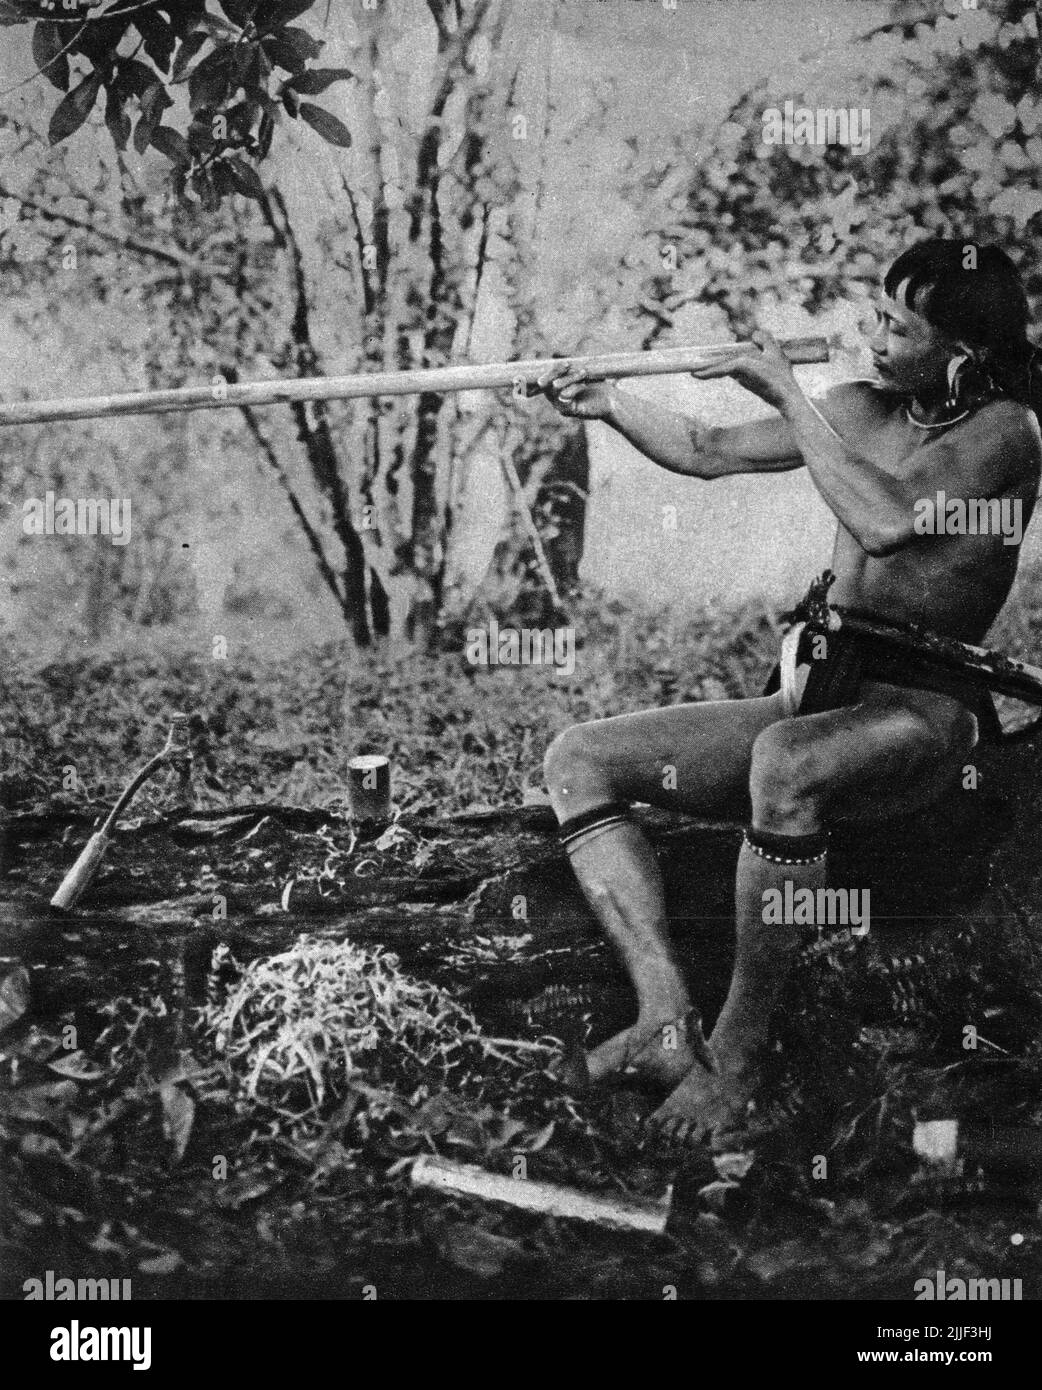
693 758
894 752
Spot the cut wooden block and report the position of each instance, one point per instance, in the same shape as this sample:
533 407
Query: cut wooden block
369 789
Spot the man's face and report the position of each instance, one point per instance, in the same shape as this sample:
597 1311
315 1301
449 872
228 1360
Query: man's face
909 354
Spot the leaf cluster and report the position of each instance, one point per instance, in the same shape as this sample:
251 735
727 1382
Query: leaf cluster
245 64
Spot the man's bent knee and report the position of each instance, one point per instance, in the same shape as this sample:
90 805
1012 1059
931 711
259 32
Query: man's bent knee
575 770
786 781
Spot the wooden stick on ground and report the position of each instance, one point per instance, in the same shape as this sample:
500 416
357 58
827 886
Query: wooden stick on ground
468 377
615 1213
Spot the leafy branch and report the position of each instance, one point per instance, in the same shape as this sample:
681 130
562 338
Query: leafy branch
246 66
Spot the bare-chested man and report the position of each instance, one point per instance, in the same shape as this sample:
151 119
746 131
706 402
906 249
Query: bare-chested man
952 412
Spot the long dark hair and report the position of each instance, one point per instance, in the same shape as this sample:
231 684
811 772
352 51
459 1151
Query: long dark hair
974 295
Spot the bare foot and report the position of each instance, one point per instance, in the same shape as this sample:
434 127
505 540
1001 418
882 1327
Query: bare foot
658 1051
705 1103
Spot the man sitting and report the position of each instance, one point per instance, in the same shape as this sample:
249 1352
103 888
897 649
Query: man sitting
952 410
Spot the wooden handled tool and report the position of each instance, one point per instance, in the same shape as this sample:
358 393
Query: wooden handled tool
175 752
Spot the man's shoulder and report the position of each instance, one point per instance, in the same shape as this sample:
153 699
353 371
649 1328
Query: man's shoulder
857 397
1011 420
1008 430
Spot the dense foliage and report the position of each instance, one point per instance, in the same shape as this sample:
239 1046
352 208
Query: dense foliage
955 150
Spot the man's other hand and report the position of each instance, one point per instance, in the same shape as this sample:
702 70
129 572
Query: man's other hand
767 373
570 393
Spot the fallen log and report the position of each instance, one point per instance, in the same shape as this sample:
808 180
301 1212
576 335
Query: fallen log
490 896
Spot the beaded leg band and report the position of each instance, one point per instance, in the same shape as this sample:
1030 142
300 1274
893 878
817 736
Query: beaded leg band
581 828
787 849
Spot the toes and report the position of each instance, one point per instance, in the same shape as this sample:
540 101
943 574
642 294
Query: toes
674 1132
688 1133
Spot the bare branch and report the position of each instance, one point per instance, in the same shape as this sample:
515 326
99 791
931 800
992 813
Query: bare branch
141 248
317 438
313 538
368 299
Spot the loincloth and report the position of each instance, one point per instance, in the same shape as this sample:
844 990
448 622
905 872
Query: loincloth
824 666
831 668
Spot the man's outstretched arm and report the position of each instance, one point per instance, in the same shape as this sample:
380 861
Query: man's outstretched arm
677 442
686 444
